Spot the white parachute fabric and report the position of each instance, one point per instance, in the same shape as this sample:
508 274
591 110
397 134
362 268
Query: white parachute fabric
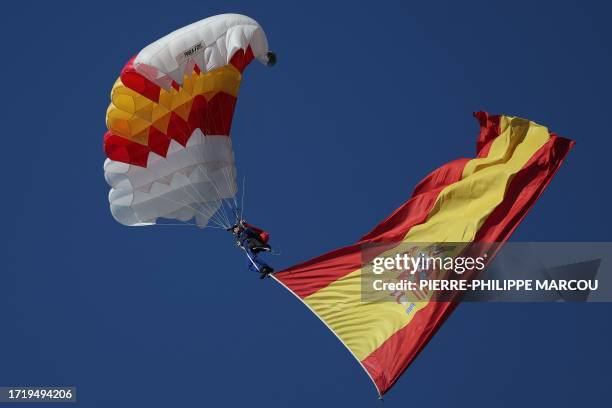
190 182
209 43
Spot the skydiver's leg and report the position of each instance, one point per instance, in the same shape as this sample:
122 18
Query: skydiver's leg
249 244
258 246
258 261
252 263
257 264
254 245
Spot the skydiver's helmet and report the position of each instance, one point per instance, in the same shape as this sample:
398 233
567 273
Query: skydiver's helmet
236 229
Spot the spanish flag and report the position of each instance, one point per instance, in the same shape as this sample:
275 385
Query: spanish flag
482 199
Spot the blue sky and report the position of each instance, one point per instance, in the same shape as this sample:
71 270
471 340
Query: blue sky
366 99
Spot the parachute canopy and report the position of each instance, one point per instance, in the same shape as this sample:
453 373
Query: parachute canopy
482 199
168 145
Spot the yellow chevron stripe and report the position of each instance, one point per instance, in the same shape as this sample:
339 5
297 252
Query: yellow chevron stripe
130 114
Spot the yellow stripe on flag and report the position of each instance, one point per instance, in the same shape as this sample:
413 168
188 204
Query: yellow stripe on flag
459 211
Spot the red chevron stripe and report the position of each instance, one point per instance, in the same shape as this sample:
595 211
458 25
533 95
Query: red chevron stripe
213 117
138 83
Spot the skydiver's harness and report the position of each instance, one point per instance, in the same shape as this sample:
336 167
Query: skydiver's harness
248 243
256 237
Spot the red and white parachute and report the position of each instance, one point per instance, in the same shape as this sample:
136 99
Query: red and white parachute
168 146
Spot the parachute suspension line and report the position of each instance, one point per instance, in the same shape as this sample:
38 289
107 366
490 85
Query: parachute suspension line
227 202
230 179
243 193
234 176
189 206
182 203
210 213
187 224
236 210
205 211
221 211
229 174
215 214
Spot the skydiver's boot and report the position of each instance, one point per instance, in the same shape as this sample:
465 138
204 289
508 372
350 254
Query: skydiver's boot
265 271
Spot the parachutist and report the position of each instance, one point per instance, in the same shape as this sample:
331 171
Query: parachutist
253 240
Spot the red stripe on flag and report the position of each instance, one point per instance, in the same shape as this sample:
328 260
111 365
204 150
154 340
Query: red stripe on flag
385 364
310 276
524 190
489 130
416 210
